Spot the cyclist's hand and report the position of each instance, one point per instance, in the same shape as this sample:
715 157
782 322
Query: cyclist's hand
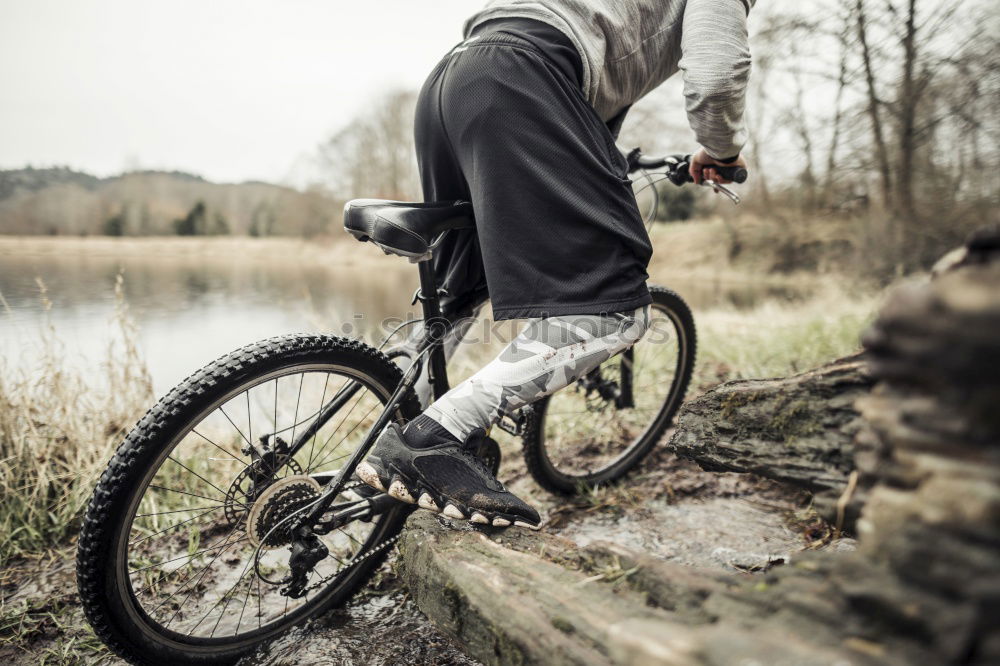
702 167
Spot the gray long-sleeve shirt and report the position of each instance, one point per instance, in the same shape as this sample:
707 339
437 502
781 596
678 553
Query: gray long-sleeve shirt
629 47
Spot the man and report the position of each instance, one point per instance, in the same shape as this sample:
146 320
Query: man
520 119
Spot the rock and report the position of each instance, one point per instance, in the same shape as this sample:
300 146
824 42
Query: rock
798 430
734 533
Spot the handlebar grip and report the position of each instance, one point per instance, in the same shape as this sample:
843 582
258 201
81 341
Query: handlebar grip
677 167
733 173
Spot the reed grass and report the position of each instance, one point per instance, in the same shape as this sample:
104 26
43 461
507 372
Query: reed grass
59 425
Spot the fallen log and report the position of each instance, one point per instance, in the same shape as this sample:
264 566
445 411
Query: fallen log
517 597
799 430
923 586
507 604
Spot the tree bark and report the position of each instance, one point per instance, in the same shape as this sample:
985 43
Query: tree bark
798 430
518 597
908 101
881 151
838 116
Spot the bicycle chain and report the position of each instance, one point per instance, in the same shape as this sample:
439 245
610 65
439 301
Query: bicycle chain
355 562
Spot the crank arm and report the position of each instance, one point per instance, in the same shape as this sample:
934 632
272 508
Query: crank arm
350 511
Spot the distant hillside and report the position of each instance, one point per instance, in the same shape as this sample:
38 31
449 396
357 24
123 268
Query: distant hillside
32 180
61 201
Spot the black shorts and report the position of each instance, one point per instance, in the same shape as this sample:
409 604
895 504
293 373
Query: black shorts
558 230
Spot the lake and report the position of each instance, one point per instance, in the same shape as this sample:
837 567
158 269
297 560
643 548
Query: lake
196 299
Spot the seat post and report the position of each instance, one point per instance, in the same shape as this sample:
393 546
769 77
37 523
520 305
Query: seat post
436 327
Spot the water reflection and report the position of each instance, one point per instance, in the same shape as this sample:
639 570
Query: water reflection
191 309
188 310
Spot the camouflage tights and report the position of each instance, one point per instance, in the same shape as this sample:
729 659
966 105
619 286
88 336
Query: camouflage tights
547 355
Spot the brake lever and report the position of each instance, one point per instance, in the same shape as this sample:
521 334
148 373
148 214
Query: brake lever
719 187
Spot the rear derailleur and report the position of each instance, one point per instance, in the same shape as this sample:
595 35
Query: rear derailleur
307 552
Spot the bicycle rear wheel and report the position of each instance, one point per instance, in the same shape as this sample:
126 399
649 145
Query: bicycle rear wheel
597 430
165 562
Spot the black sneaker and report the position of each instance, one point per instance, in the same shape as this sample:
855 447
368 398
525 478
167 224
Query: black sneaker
446 478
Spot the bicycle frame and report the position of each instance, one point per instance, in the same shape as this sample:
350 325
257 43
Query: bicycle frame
306 549
434 332
430 353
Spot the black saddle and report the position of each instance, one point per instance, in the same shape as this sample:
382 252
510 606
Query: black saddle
407 229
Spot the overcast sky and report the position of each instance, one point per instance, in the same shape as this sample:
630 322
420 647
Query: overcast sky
232 90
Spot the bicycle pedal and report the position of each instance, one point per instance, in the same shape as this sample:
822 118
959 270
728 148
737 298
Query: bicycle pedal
516 422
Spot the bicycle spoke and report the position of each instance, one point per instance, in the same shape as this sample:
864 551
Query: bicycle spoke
228 597
298 399
183 522
362 420
183 492
228 453
344 438
322 403
165 574
221 491
328 460
163 513
223 410
249 423
260 613
201 575
243 610
160 564
348 535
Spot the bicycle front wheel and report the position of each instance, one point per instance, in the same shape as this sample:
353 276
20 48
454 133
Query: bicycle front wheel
184 520
597 430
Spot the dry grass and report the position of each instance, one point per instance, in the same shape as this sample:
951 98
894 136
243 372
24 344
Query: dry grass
58 428
778 338
341 250
770 250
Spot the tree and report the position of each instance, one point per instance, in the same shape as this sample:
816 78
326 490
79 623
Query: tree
900 97
220 227
262 220
374 155
115 225
193 223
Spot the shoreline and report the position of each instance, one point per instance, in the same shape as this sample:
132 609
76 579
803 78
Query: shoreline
160 246
669 264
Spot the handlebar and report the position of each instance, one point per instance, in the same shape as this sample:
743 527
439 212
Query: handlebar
678 167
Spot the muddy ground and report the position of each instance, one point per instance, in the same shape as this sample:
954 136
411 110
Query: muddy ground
669 508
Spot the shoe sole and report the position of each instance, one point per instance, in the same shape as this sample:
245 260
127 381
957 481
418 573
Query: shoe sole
427 499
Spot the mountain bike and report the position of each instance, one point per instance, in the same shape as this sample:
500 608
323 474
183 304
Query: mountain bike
231 511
